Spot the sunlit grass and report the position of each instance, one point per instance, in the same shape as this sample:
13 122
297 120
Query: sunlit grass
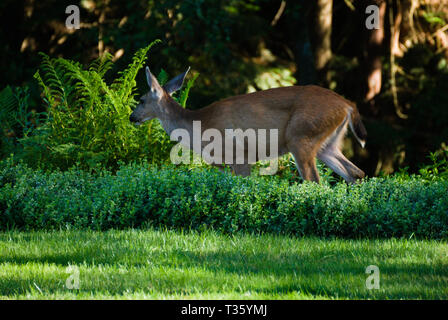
209 265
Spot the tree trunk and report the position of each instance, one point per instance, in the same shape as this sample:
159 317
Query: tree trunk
374 49
395 42
321 36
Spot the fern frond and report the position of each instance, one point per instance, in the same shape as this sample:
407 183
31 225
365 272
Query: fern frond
110 95
184 94
8 105
53 78
48 97
84 85
102 64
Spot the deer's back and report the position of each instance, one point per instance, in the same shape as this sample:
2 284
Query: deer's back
274 108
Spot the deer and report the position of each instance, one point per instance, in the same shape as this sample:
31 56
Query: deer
311 121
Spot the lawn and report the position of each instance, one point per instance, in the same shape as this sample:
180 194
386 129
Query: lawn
155 264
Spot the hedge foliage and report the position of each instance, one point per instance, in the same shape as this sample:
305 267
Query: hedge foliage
137 196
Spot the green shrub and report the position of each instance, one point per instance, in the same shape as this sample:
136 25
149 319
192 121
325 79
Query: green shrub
88 120
196 199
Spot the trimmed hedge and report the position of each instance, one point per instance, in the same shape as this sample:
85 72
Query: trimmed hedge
202 198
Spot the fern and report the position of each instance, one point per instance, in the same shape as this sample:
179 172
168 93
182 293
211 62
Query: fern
184 94
102 64
8 106
14 113
54 80
125 85
48 97
16 120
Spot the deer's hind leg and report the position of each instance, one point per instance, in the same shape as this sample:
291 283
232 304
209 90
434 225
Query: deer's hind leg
331 155
353 170
340 164
328 156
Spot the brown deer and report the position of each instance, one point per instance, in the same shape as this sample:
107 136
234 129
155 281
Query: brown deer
311 121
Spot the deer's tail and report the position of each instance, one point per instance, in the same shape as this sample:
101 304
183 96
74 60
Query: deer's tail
357 126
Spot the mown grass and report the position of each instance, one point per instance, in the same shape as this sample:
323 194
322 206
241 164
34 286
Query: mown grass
173 265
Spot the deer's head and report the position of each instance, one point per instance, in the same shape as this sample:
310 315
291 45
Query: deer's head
152 103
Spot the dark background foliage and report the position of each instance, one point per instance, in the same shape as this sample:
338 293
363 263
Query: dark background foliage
242 45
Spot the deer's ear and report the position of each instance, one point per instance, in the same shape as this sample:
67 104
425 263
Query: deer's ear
149 77
176 83
154 86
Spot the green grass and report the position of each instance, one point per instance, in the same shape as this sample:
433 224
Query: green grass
208 265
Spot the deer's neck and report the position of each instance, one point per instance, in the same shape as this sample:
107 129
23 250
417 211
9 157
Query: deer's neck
173 116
